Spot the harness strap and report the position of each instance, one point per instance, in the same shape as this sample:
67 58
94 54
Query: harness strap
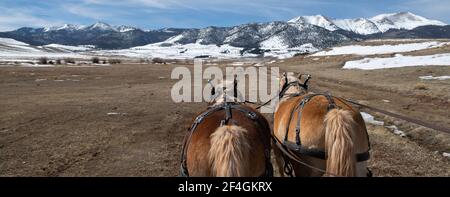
320 154
297 146
227 106
298 107
331 103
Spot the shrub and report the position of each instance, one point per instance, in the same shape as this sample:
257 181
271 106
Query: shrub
58 61
115 61
301 54
43 60
420 86
157 60
69 61
95 60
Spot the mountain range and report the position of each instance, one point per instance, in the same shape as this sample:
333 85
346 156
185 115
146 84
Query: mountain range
318 30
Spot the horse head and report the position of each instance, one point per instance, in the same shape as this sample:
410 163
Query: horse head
225 91
291 83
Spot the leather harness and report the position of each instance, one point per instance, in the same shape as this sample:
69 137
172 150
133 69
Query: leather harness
229 108
288 147
297 147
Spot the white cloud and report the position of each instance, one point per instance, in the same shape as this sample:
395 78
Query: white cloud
88 12
272 7
434 9
11 19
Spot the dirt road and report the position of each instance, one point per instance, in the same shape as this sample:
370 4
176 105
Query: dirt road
120 120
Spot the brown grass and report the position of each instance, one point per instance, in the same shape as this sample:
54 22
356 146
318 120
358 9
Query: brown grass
420 86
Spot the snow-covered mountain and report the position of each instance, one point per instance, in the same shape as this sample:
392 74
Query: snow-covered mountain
317 20
272 35
402 20
298 35
365 26
100 26
360 25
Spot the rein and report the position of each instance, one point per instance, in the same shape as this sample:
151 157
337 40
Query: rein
408 119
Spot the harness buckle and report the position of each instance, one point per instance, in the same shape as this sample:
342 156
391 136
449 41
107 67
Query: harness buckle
199 119
297 135
251 115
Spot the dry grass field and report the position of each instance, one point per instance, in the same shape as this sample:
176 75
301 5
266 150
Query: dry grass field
119 120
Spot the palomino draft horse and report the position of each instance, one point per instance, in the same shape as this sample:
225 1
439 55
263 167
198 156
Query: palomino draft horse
228 139
318 134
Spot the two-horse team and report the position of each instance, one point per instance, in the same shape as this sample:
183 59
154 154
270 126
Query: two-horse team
313 135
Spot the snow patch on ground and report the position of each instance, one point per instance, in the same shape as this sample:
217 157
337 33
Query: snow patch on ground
396 131
429 77
380 49
370 119
399 61
115 113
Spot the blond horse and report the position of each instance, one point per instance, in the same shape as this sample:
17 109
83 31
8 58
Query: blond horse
228 140
339 133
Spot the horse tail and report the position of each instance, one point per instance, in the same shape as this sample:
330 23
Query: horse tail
339 135
230 152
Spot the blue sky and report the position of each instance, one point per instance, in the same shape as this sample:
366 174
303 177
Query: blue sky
153 14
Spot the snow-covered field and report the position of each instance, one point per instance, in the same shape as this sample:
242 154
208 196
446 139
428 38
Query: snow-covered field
399 61
13 50
380 49
175 51
170 50
71 48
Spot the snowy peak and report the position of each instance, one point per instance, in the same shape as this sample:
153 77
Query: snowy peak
67 27
317 20
124 28
363 26
100 26
402 20
360 25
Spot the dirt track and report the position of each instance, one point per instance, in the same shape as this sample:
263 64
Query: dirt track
121 121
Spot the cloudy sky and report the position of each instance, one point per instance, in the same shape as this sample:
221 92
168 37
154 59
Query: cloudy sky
153 14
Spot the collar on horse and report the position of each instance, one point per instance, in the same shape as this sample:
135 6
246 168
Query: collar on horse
287 85
228 107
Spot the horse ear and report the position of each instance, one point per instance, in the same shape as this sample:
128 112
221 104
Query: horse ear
213 91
